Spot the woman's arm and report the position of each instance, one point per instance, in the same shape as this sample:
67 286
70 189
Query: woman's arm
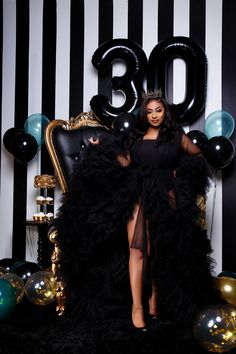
123 159
189 147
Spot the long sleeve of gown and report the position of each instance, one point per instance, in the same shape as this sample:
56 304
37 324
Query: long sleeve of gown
189 147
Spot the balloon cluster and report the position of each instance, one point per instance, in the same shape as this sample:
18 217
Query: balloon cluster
23 144
24 278
215 143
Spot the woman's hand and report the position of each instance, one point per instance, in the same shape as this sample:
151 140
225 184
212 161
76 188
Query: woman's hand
94 141
124 160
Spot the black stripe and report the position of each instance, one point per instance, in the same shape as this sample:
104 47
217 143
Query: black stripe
135 21
105 34
1 51
48 74
165 30
77 57
48 78
228 105
165 19
21 113
197 34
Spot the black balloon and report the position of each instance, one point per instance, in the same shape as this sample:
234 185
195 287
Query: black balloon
130 83
9 135
23 147
26 269
7 263
196 74
198 138
219 152
124 123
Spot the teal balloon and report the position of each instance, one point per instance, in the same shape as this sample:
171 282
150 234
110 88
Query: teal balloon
219 123
35 125
7 299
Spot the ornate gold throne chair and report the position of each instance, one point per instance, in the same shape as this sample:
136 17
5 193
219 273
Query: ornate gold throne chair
66 141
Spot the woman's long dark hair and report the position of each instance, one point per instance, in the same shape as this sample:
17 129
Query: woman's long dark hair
167 128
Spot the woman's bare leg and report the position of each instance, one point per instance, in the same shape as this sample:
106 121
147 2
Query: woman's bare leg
153 302
135 274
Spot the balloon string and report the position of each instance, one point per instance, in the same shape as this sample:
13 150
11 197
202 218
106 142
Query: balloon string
213 209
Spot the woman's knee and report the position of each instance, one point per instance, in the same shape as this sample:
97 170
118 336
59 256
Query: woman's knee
136 253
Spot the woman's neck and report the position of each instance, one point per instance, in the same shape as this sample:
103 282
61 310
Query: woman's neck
152 133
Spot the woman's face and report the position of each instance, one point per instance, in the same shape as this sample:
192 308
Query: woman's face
155 113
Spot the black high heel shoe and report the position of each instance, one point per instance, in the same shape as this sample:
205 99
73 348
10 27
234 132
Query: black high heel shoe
138 329
153 316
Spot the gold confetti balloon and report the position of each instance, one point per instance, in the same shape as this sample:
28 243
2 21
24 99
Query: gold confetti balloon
17 284
3 270
40 288
215 328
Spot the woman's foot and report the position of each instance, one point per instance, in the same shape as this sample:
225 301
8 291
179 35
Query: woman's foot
138 318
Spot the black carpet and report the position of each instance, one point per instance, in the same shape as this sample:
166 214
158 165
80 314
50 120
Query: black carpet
36 330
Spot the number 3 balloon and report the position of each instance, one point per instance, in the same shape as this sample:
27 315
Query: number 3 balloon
130 83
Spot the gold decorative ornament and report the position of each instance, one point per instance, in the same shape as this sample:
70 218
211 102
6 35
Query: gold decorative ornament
39 217
157 93
85 119
56 258
44 181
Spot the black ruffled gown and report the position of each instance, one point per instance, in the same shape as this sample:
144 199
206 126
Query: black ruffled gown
165 178
94 260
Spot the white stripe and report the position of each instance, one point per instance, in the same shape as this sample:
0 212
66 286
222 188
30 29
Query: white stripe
150 27
214 54
35 92
34 106
181 28
8 113
90 45
120 18
120 30
62 60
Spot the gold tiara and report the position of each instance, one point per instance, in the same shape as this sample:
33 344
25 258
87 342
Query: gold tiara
152 94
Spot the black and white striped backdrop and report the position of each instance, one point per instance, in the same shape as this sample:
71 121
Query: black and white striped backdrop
47 46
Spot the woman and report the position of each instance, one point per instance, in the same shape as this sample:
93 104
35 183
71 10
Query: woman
159 147
152 188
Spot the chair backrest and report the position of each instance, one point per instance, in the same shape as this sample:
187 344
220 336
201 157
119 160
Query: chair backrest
67 139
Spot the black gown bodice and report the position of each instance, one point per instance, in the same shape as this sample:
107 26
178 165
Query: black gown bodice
156 153
155 161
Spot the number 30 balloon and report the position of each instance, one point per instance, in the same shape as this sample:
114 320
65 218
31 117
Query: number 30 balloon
130 83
